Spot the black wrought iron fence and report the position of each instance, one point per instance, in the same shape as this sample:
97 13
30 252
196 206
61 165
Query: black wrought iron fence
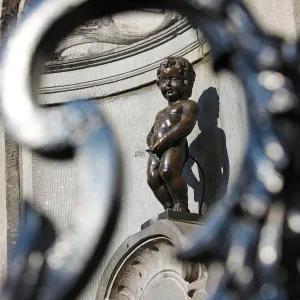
252 235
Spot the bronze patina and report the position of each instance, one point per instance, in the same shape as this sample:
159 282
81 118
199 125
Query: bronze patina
168 147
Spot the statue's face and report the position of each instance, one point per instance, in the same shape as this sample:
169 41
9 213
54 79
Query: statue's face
172 84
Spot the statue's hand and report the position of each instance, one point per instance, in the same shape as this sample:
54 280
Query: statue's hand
150 150
159 146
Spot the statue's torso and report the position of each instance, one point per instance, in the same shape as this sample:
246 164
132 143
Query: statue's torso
165 120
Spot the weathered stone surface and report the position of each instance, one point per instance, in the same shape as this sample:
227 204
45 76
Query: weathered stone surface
275 16
13 201
3 208
297 15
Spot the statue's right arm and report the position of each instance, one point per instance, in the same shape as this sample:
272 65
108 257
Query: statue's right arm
181 129
149 136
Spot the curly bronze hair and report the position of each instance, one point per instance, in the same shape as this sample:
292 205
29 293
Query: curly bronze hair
184 67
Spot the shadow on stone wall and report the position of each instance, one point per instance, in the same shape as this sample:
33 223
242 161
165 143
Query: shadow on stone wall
209 150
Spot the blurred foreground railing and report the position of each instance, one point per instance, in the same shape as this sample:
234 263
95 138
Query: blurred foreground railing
252 235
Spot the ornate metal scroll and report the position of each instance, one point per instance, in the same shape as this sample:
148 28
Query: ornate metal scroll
253 233
45 266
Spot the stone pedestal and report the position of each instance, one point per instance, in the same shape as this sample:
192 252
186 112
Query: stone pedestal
169 214
145 266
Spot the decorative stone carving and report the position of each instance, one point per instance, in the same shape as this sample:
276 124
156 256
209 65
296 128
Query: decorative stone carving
126 68
145 266
116 54
113 31
104 35
152 269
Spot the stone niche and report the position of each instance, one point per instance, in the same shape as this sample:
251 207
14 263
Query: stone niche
145 266
113 62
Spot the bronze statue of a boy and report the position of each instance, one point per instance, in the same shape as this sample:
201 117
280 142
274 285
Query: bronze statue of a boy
167 142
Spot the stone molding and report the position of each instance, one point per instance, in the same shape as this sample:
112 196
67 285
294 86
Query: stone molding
123 69
89 60
106 31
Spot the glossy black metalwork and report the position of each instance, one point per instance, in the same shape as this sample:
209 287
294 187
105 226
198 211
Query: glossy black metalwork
45 266
253 234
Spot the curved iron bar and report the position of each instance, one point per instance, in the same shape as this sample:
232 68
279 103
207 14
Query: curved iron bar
253 232
78 128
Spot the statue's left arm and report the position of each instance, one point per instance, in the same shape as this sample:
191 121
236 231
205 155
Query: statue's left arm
181 129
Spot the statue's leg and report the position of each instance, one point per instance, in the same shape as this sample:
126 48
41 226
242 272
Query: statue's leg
171 166
157 184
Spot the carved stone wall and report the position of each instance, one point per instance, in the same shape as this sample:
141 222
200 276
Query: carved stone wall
9 160
3 212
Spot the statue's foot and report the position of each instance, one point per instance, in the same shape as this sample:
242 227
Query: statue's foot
181 207
168 206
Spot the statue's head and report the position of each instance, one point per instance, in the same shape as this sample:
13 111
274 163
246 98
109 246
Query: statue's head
175 78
